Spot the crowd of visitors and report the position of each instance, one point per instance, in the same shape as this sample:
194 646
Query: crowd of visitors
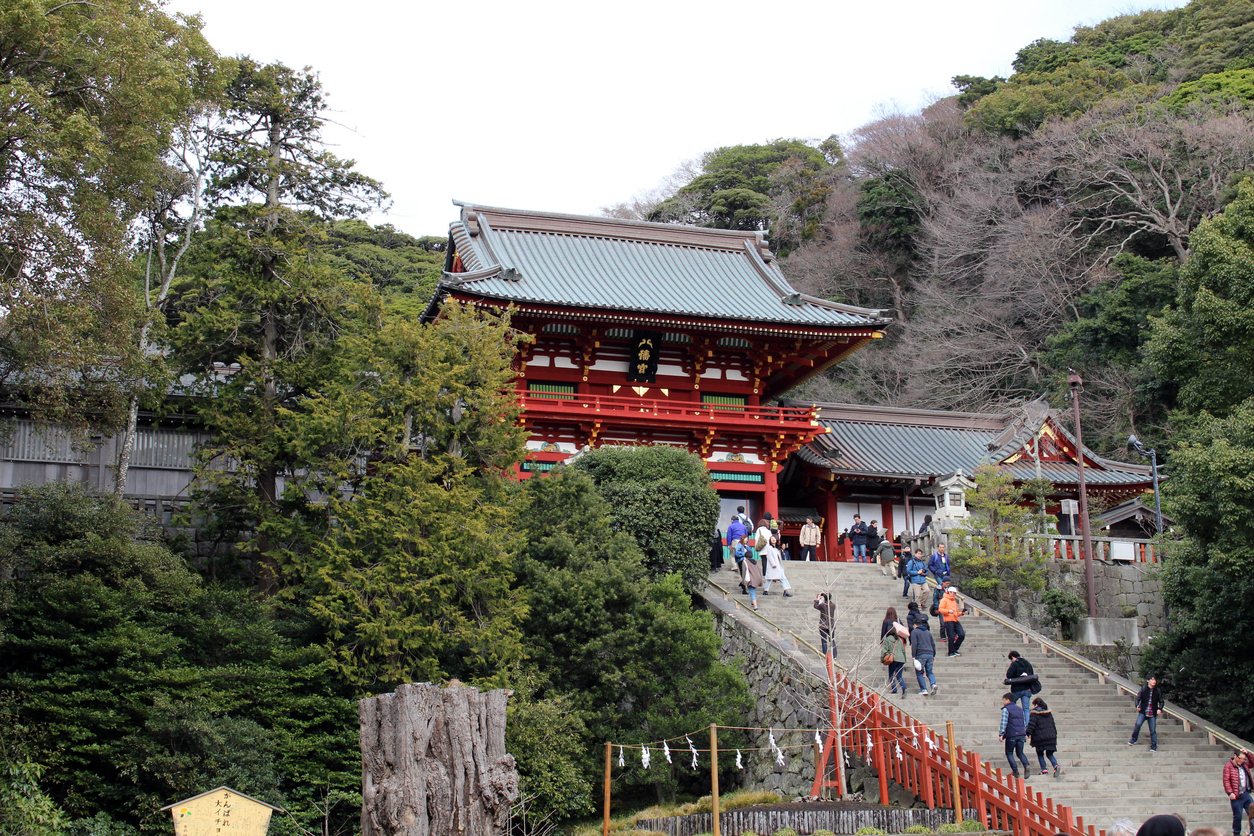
1025 719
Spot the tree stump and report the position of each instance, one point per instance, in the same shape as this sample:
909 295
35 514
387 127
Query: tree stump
434 762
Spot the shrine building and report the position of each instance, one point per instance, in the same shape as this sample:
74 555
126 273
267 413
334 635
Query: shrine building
652 333
649 333
898 465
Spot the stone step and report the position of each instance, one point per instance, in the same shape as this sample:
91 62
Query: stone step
1103 777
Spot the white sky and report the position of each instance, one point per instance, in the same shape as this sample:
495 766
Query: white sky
567 107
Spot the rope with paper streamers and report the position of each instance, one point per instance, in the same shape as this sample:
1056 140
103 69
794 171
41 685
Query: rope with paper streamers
773 746
686 739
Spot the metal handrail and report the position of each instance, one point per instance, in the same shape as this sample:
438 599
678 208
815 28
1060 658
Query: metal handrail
1122 684
779 631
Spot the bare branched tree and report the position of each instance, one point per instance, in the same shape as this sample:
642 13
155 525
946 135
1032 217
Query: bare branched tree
1133 169
175 214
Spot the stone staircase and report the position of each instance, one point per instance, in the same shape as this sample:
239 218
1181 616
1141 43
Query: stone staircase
1103 778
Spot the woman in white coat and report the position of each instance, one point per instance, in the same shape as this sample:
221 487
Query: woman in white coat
774 563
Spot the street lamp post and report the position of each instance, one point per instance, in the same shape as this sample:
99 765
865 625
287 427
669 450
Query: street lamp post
1075 382
1135 446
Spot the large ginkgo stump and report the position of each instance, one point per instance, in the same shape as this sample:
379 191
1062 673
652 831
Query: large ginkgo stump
434 762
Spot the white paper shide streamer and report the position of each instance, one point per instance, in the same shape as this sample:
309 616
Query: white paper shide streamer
818 741
900 756
666 750
692 749
644 756
621 762
739 763
779 755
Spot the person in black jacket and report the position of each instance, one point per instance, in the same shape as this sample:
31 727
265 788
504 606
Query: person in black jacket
1021 679
1149 704
1043 735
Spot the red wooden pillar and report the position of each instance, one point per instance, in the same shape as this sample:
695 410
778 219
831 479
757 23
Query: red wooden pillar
879 760
772 489
886 520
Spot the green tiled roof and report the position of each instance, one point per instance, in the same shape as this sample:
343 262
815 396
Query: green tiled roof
896 443
614 265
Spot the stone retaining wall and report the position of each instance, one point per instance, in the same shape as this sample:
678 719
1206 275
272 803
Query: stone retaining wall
786 697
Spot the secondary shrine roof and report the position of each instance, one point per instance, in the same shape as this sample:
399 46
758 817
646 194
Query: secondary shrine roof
893 443
608 264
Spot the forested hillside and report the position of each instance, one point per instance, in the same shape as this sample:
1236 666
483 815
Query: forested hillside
177 238
1021 227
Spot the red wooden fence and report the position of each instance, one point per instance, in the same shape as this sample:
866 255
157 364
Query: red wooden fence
911 754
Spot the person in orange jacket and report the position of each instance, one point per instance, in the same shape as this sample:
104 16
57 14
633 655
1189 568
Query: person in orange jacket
951 629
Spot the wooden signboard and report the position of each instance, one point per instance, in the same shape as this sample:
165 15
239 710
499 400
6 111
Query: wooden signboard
221 812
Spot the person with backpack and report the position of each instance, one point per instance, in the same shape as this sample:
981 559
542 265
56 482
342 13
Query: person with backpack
1149 704
923 649
762 537
1043 734
752 577
938 595
913 614
938 563
1021 679
741 552
885 557
893 654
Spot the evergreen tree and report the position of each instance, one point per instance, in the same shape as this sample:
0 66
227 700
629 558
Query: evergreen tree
1207 579
661 496
135 684
260 328
1205 345
988 552
637 662
411 576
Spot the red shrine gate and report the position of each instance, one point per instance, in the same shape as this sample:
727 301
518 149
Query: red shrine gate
653 333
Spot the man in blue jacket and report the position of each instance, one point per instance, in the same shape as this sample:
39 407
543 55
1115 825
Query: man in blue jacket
857 538
1013 731
916 571
938 564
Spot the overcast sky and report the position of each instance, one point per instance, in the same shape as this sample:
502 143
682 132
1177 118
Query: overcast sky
568 107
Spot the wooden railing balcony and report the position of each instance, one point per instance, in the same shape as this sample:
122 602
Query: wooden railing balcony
673 412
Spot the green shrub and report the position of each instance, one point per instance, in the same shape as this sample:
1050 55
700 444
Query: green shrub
972 826
917 828
822 832
870 831
951 828
785 831
1063 607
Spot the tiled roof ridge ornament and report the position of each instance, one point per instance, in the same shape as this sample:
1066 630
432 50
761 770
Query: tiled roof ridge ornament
765 251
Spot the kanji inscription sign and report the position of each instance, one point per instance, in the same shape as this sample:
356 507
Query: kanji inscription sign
221 812
642 363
